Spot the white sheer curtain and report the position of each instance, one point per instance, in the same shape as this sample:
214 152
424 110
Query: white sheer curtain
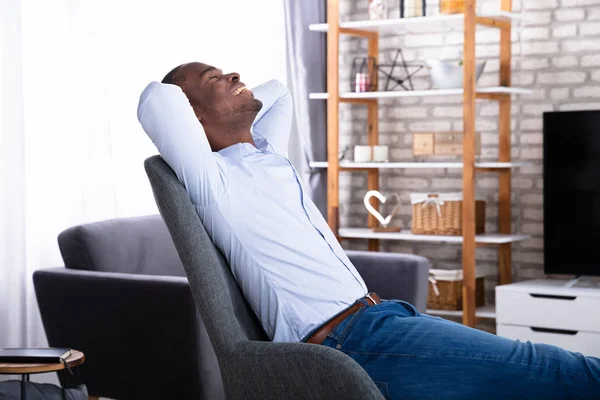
71 148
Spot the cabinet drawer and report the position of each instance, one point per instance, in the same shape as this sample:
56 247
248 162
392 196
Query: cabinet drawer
586 343
580 313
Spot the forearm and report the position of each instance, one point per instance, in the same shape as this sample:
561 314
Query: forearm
272 94
274 120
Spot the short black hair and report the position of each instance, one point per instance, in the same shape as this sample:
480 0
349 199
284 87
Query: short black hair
174 77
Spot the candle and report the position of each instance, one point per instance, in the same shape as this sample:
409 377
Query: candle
412 8
380 153
362 153
362 82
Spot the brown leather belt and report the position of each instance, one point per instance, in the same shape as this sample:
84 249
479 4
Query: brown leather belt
320 334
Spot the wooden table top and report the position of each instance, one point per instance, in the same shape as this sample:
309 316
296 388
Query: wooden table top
73 360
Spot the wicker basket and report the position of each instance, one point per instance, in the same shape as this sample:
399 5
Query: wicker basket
441 214
449 287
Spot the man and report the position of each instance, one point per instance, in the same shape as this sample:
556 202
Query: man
227 145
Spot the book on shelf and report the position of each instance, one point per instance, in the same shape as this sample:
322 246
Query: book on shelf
46 355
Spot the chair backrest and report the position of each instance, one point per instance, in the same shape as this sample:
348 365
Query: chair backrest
224 310
135 245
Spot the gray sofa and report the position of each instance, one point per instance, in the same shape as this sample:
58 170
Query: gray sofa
124 300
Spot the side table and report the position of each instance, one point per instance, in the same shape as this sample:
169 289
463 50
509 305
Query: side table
25 369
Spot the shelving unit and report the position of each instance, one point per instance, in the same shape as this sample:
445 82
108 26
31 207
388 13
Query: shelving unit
499 18
487 312
370 31
416 165
483 93
486 238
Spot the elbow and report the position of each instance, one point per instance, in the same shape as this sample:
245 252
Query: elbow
282 89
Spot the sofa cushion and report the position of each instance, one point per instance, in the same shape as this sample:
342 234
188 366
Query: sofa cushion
135 245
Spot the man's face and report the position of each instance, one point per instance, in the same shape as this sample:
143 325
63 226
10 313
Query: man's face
217 97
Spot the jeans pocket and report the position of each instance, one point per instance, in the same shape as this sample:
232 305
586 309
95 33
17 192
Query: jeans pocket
384 389
340 332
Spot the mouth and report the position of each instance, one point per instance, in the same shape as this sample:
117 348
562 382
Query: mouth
241 89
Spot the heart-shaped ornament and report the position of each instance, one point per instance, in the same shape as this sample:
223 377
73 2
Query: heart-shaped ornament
374 193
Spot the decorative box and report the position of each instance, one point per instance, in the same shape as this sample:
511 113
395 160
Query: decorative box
445 290
441 143
441 214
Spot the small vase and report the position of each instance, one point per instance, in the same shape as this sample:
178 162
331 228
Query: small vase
378 10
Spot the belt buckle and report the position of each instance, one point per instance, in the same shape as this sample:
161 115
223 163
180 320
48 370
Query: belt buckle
370 298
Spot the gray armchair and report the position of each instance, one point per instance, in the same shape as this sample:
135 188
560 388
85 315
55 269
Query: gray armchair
252 368
124 299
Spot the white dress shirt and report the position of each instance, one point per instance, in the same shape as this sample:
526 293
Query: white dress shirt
287 261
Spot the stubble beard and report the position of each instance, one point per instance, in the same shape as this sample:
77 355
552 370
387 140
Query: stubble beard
241 116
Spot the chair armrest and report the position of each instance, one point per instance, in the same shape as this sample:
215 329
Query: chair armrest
141 334
394 275
282 370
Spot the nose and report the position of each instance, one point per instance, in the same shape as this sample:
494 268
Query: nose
233 77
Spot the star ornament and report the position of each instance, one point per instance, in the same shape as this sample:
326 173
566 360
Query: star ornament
399 72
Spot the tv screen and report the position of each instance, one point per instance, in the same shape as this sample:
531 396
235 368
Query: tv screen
571 208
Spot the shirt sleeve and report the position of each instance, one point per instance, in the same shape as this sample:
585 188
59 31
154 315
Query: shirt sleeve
274 120
169 120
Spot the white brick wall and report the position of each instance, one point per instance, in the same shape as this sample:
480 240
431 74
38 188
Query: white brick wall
556 55
569 14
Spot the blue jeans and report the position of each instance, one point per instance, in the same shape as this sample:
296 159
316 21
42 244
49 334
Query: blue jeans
411 355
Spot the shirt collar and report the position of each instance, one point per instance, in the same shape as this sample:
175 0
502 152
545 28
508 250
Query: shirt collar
241 149
261 143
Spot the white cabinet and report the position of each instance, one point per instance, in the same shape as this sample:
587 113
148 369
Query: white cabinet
547 311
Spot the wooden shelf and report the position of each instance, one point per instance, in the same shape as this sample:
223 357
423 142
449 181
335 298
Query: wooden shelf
421 93
468 23
487 311
396 24
407 235
417 165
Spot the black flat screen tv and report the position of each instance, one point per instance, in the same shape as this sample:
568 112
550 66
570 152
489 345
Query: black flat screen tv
571 204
